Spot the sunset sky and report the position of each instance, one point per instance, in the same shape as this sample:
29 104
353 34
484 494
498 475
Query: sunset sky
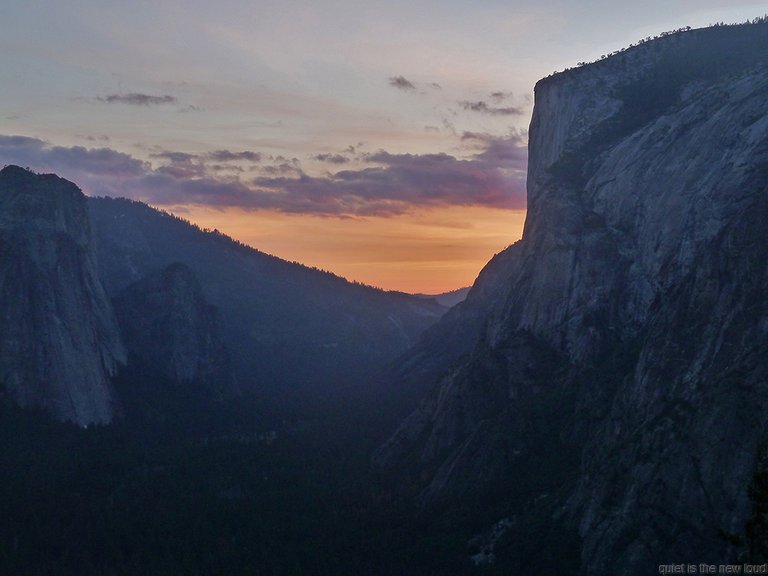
383 141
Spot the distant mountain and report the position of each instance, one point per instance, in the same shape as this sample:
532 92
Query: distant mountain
60 341
448 299
285 326
192 306
603 389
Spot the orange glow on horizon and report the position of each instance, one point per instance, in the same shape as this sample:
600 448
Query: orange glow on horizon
430 251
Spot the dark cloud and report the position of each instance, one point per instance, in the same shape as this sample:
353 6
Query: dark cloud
501 96
20 143
91 138
391 184
176 157
184 165
282 168
503 151
97 161
331 158
41 156
180 164
483 108
227 156
138 99
164 189
506 153
401 83
185 171
481 136
494 178
231 168
215 156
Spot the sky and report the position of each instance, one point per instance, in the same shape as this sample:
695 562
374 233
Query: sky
383 141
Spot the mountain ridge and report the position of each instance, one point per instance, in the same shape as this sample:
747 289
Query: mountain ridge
281 330
285 324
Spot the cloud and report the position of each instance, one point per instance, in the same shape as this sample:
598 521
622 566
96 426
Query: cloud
175 157
227 156
138 99
91 138
501 96
184 165
401 83
390 183
331 158
483 108
40 155
481 136
400 182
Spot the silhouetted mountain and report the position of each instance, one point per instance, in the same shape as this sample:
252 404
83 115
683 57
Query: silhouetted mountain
448 299
605 384
169 328
285 325
60 342
188 301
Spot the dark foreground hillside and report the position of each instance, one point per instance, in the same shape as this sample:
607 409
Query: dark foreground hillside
209 491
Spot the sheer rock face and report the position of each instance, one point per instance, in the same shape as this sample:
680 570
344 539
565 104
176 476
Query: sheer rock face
629 326
59 340
169 327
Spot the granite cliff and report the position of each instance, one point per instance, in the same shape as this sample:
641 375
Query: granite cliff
60 341
606 376
171 329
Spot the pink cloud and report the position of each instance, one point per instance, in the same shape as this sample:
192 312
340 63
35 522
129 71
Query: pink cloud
392 184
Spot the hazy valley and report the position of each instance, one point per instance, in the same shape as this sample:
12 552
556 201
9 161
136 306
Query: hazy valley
175 402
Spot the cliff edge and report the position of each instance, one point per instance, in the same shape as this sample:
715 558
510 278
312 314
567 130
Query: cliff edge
60 342
616 379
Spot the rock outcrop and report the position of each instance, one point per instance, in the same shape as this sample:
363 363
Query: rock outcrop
170 328
617 365
59 341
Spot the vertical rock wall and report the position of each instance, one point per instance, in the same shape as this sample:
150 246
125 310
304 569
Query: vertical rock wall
59 341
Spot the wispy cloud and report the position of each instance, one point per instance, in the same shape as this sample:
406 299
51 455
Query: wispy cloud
401 83
331 158
184 165
484 108
500 96
390 183
138 99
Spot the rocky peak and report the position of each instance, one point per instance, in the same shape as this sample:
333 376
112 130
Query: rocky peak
635 162
169 327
